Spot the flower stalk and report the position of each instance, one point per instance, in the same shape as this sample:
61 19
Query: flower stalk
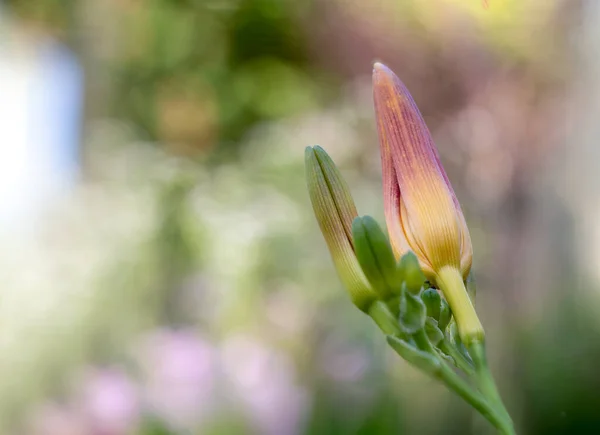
450 280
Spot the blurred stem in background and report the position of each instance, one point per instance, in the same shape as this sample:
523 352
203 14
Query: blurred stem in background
177 256
94 30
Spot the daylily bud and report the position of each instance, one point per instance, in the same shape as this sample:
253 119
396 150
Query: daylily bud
335 210
422 212
375 256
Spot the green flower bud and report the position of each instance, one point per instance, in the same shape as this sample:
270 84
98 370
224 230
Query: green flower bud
334 209
433 302
376 257
412 313
445 315
412 273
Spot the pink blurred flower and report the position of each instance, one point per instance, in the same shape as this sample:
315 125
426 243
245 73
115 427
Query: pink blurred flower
344 363
180 376
54 419
110 402
263 380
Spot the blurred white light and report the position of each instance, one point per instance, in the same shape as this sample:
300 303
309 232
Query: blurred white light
41 93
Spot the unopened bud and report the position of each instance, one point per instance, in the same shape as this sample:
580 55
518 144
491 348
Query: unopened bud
412 273
335 210
376 257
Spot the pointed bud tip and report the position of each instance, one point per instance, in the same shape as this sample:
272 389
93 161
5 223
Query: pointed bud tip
379 67
313 152
321 154
382 72
310 166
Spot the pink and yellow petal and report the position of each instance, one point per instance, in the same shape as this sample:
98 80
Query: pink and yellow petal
406 141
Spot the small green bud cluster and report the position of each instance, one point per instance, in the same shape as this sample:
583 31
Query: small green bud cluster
414 316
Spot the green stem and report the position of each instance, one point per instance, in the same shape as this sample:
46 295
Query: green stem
464 390
384 318
446 374
485 380
451 283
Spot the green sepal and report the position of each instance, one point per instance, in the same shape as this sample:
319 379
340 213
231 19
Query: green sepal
376 257
456 341
432 300
422 360
394 304
448 358
434 333
458 359
412 273
412 313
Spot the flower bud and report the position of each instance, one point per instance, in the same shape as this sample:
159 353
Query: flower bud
412 273
422 212
334 209
376 258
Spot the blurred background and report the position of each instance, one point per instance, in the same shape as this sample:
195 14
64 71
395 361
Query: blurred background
162 272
